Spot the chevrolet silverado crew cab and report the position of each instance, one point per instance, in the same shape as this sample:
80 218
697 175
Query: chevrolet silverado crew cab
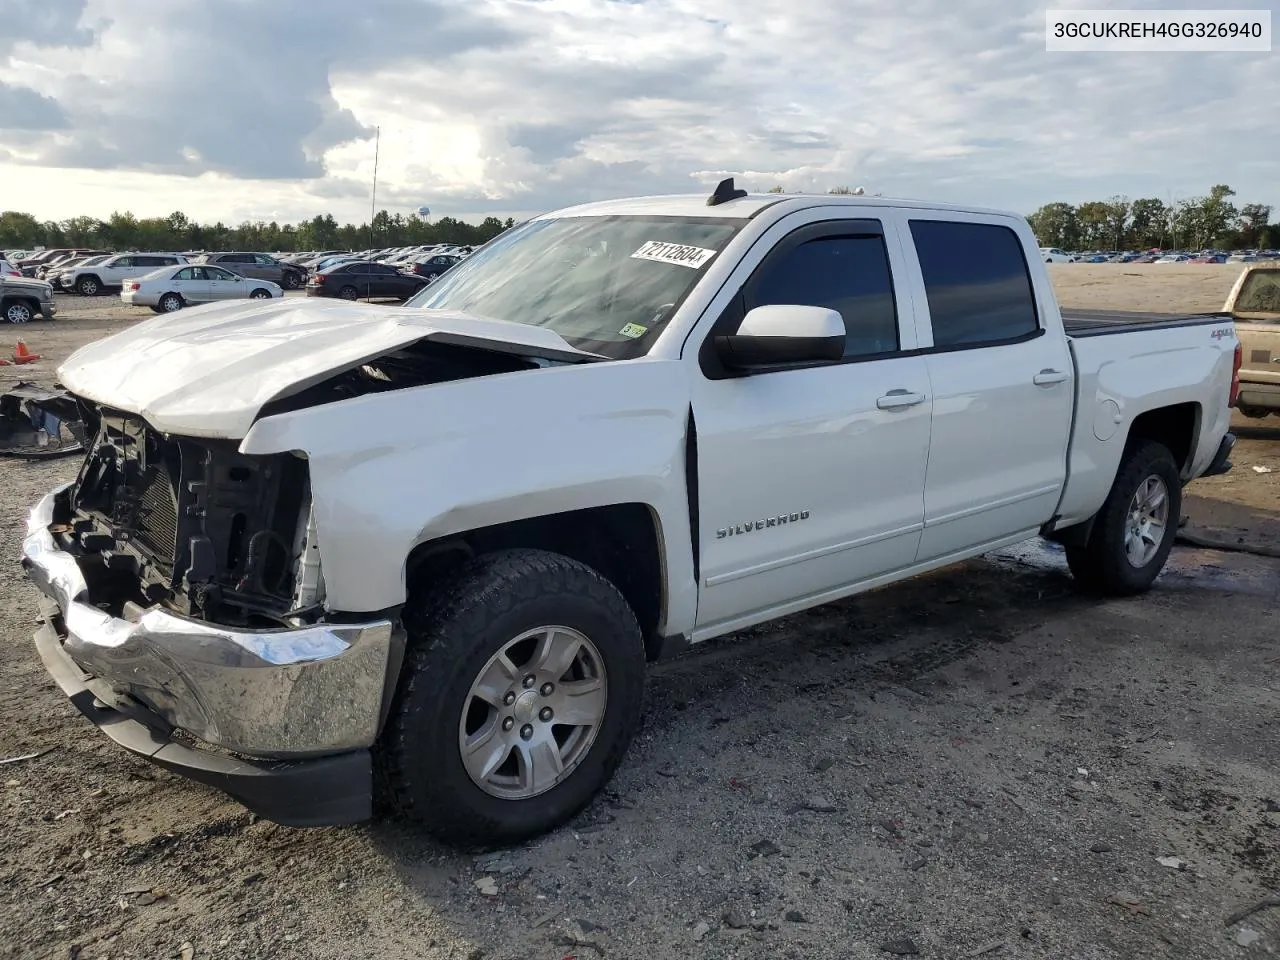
317 546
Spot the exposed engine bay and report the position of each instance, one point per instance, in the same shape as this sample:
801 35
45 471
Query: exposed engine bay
190 524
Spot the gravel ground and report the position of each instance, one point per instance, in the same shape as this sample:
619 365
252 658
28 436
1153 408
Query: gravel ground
976 763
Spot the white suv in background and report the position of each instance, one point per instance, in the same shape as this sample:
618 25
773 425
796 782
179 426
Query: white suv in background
1054 255
112 272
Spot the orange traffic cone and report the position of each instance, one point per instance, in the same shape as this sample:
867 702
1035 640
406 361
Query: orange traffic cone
22 355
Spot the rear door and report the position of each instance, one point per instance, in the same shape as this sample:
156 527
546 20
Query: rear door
191 284
810 479
1002 381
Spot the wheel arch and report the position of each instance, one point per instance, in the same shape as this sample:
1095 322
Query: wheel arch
30 302
1176 426
622 542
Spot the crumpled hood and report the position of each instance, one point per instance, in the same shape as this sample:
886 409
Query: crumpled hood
207 371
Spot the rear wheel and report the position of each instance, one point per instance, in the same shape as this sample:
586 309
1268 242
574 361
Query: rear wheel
88 286
291 281
520 693
171 302
347 293
1254 413
1135 529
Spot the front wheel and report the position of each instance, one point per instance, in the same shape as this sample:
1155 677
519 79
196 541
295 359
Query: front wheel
88 286
260 294
520 693
1135 529
291 281
16 311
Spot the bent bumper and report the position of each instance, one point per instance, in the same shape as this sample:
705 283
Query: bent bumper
325 791
287 694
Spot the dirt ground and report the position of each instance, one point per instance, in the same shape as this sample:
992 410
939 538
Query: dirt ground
978 763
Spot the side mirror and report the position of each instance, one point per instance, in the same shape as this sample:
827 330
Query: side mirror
783 334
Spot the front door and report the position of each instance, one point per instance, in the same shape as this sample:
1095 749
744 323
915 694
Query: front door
190 284
810 479
1002 379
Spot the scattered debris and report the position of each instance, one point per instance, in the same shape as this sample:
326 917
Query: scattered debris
1260 469
735 920
701 929
1250 910
736 784
905 947
765 848
188 951
547 917
795 916
820 805
1173 863
497 863
29 756
487 886
66 813
891 827
985 949
1130 902
917 864
1082 771
1101 847
1247 937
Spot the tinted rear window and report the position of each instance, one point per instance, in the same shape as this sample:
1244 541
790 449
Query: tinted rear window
977 282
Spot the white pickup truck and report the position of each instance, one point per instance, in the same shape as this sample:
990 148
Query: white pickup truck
317 546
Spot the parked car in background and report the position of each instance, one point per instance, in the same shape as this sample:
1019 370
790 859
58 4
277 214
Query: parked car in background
363 280
56 274
259 266
29 266
22 299
7 269
431 267
172 288
112 272
49 267
1209 258
1254 304
1244 258
1173 258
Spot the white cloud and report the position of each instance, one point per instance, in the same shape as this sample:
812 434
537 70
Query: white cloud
235 108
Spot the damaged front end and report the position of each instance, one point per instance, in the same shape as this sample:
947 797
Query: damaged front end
191 525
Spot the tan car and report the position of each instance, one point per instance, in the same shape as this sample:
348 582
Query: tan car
1254 302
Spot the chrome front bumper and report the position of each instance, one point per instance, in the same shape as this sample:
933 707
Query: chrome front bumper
286 693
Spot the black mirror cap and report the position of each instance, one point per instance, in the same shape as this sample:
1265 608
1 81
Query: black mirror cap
744 353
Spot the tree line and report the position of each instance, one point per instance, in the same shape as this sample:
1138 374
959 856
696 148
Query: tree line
124 231
1195 223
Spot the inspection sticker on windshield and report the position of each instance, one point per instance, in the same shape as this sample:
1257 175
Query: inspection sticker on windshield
677 253
633 330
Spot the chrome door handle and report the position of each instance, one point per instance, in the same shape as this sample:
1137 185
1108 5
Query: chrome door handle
1049 377
898 399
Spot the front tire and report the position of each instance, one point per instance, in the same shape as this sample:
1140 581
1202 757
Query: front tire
291 281
520 694
1135 529
18 311
260 294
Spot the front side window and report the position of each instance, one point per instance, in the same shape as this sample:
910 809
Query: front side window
606 284
848 274
976 281
121 262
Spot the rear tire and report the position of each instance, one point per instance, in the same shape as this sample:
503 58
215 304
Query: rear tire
291 281
348 293
171 303
1135 529
1254 413
519 603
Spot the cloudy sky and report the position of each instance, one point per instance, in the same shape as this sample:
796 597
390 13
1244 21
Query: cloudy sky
248 109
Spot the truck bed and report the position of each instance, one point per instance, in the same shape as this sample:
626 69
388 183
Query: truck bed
1095 323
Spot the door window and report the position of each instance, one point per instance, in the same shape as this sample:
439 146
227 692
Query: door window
217 273
977 283
848 274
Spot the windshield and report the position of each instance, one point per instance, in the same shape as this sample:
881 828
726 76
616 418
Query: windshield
606 284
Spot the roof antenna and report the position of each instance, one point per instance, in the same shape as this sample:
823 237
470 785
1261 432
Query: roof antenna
724 192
